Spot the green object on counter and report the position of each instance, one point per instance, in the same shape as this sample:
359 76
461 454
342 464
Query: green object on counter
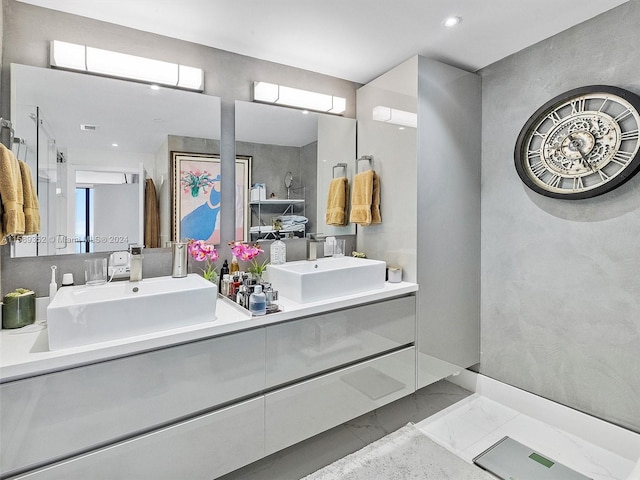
18 308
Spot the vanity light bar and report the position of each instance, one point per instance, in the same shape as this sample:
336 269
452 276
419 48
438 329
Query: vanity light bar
294 97
81 58
395 116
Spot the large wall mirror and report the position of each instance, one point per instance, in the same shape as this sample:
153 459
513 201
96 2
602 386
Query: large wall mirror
293 154
94 143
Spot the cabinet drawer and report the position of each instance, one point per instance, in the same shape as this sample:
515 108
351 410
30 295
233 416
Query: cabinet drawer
48 417
203 448
298 412
315 344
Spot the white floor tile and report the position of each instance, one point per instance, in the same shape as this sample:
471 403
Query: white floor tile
472 426
466 425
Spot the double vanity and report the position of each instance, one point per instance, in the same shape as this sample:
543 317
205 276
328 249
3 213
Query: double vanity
199 399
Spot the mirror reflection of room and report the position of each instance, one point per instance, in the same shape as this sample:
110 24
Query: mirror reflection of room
101 149
293 153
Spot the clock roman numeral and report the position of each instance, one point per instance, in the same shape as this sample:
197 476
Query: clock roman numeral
554 181
578 184
603 176
543 136
554 117
578 106
533 154
622 157
538 168
630 135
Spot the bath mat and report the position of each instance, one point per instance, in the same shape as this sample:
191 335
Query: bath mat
404 454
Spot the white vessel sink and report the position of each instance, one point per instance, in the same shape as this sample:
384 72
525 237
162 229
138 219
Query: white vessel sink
82 315
311 281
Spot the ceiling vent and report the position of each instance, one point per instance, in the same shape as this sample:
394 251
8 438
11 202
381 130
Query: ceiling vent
91 128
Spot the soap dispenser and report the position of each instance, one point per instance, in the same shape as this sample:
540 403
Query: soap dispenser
278 251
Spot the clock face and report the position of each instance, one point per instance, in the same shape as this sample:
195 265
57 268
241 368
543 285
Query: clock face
581 144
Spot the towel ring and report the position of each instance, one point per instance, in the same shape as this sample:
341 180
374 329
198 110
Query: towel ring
339 165
365 158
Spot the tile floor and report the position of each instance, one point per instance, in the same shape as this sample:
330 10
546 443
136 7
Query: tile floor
306 457
466 424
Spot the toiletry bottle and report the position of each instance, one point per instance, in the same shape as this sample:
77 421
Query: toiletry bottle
241 296
234 266
234 286
53 286
278 251
223 271
224 286
258 301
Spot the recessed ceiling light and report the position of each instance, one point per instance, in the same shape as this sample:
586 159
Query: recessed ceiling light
305 112
451 21
154 87
114 144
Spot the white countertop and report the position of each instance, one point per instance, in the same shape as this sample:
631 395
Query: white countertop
24 352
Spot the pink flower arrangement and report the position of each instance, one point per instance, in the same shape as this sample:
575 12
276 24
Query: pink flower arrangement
248 253
204 252
245 252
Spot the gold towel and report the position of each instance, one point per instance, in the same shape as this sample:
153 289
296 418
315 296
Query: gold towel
11 195
151 216
337 202
31 205
375 203
361 198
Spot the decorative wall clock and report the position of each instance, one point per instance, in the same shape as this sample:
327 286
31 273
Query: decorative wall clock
581 144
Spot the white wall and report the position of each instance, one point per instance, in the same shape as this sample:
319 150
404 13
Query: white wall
430 186
394 152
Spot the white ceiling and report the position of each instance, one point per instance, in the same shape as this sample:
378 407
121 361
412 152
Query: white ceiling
356 40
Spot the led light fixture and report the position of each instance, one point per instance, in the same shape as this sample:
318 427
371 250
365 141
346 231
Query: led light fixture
395 116
120 65
294 97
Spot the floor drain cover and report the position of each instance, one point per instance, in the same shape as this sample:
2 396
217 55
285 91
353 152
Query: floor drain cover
511 460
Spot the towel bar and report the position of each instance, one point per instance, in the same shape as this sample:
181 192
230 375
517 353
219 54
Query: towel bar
365 158
6 133
339 165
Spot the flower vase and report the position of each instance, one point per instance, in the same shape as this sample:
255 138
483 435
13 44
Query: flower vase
257 277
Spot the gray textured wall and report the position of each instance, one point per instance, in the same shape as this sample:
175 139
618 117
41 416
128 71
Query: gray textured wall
561 279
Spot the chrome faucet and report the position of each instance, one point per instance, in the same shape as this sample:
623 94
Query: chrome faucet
135 269
313 240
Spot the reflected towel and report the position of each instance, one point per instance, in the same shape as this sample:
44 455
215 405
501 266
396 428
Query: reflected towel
11 206
375 203
31 205
151 216
361 198
337 202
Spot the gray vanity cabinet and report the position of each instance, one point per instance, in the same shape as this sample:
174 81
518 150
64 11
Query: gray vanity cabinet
50 417
307 408
202 448
319 343
203 409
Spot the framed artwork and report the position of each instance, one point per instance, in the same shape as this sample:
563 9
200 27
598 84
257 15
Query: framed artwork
197 197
